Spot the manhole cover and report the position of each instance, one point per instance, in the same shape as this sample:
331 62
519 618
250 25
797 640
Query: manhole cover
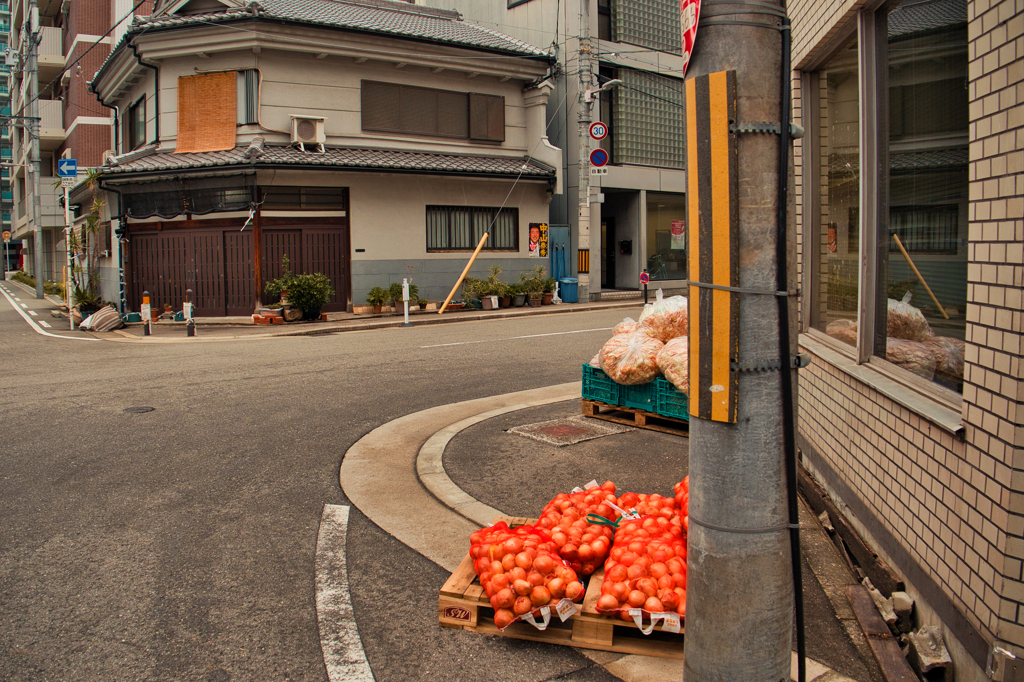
138 410
568 431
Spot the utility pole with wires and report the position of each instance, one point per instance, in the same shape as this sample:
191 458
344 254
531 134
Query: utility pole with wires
32 124
744 579
585 70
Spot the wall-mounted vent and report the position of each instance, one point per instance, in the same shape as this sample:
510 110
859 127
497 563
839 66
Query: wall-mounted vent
308 133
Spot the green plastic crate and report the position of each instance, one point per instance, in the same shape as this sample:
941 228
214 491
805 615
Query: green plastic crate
598 386
640 397
671 402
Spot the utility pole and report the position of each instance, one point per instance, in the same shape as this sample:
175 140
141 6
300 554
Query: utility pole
740 598
584 115
32 112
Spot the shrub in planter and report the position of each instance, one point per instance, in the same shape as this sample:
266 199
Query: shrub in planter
310 292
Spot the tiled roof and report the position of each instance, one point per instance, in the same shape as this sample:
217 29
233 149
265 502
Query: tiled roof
926 15
940 158
399 19
381 160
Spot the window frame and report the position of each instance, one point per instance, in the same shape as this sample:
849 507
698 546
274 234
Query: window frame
871 30
482 109
136 137
493 210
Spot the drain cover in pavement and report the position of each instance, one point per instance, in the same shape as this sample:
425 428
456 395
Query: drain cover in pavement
568 431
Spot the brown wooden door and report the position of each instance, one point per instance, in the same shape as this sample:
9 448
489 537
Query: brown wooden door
216 260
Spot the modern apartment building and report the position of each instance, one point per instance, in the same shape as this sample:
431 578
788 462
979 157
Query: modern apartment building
6 194
636 211
73 42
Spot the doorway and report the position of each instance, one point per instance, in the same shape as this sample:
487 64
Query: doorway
608 253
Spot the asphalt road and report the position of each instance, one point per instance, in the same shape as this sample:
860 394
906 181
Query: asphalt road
178 544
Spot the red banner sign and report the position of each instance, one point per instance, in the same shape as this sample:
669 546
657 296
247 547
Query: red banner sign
689 13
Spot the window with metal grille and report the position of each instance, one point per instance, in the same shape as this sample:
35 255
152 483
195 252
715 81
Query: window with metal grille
304 198
394 108
925 229
248 96
459 228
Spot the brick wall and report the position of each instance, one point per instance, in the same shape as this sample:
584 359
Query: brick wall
87 142
993 386
815 21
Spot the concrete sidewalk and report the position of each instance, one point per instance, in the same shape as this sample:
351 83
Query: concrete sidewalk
453 468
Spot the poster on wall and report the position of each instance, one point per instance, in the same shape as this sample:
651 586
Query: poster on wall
538 240
679 234
689 15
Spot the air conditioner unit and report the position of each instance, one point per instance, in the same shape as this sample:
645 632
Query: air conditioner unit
308 130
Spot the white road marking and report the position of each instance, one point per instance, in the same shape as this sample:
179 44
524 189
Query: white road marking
514 338
23 305
44 323
15 298
339 636
33 313
39 330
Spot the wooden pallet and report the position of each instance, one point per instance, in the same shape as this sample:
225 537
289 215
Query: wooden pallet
634 417
462 604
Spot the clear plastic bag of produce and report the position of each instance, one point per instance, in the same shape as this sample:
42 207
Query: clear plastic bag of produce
666 318
904 321
674 362
523 576
645 574
583 540
844 330
631 359
627 326
915 356
949 357
596 360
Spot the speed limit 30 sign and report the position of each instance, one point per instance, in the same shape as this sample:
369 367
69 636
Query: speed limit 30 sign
598 130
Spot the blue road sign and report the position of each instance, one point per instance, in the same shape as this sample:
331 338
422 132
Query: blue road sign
598 157
67 168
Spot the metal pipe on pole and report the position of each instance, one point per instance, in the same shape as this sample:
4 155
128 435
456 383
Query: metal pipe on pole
32 112
740 598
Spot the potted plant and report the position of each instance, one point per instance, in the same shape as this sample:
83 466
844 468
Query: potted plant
309 293
505 295
376 298
395 294
423 303
518 295
548 287
471 292
279 286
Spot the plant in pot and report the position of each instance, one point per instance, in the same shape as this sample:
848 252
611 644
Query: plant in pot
423 303
309 293
395 294
471 292
376 298
504 295
548 284
518 294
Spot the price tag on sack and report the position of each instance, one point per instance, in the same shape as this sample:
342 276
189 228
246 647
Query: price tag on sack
672 623
566 609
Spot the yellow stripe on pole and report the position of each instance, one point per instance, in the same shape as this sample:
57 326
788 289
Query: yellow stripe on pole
464 273
721 262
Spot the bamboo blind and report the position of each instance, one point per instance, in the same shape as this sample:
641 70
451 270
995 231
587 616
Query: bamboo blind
206 112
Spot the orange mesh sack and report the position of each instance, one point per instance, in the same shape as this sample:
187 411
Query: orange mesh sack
674 363
666 318
569 517
949 357
631 359
523 576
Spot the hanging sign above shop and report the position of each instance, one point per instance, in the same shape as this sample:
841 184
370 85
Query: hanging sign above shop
690 14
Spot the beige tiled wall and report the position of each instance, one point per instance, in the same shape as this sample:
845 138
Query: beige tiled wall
955 507
993 386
